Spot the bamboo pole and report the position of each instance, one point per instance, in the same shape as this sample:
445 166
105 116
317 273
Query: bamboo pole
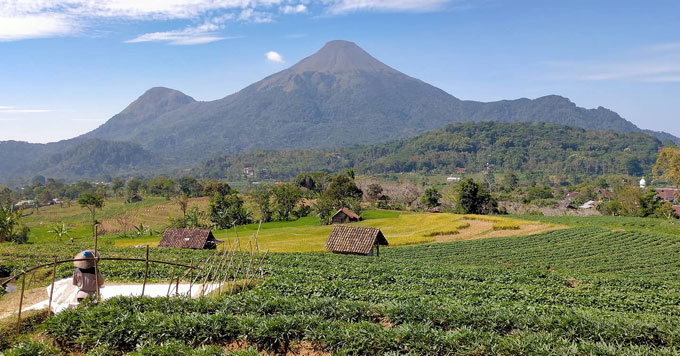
21 302
224 270
191 276
257 247
96 260
54 277
30 281
250 264
231 260
205 278
146 270
259 265
172 279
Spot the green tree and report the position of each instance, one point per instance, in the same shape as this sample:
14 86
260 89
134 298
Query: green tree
161 186
214 186
117 186
134 186
510 182
323 208
190 186
261 195
374 191
431 197
226 211
285 198
474 199
667 165
539 192
342 188
92 202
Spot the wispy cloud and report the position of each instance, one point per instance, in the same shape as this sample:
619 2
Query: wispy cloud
14 110
251 15
27 19
345 6
659 63
274 57
205 33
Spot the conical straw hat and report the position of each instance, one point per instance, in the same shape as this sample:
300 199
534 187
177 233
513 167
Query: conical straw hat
89 263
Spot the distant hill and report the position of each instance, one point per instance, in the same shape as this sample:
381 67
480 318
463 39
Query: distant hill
534 148
94 158
339 96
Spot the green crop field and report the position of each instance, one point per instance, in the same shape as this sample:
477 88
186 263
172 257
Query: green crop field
578 291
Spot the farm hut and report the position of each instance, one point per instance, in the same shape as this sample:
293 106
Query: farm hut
196 239
344 216
355 240
134 198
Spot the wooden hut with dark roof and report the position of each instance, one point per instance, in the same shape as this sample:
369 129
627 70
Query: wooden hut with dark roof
357 240
197 239
344 216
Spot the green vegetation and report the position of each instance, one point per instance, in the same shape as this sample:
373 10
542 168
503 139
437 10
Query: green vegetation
537 148
647 225
568 292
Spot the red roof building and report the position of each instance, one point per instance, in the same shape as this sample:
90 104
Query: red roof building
668 193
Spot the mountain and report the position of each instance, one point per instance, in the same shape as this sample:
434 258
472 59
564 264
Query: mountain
339 96
536 149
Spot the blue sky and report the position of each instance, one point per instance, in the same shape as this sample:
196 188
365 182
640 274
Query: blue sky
67 66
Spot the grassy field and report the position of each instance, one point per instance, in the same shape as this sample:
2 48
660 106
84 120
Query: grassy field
580 291
400 228
303 235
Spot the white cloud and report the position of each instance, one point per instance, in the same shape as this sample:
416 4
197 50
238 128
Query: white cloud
274 57
189 36
345 6
24 19
297 9
13 28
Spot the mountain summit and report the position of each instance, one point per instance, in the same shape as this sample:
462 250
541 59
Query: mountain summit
338 57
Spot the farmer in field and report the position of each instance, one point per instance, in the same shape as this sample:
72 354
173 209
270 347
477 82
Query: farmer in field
84 275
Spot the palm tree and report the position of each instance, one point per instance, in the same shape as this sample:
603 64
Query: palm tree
60 230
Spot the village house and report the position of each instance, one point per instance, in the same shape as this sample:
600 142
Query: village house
356 240
668 194
197 239
344 216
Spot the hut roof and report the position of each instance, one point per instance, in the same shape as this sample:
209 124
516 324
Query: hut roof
354 239
186 238
349 213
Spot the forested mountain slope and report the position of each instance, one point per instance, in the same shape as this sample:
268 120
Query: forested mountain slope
539 148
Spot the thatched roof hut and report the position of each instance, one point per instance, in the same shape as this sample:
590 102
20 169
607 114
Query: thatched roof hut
344 216
356 240
189 238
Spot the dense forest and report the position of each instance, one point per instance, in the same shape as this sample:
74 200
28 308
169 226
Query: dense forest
538 148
